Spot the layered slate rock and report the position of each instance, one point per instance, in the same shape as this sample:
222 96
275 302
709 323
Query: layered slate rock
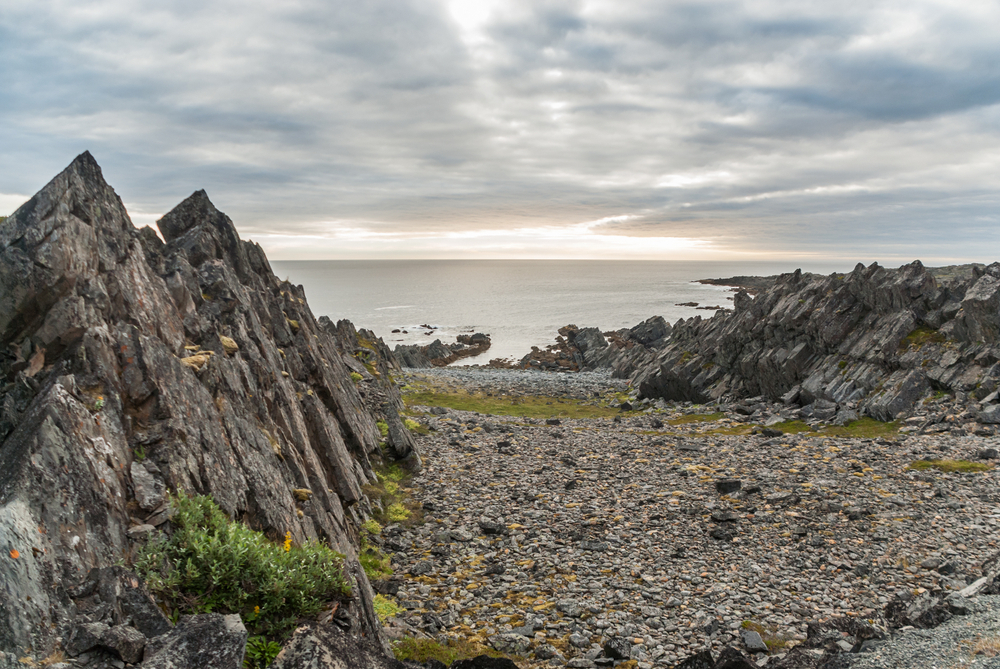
131 366
880 339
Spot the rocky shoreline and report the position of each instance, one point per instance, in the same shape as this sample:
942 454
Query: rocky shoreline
664 529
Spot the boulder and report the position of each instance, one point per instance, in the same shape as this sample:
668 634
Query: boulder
207 641
319 646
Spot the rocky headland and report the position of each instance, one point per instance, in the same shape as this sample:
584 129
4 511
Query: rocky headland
134 366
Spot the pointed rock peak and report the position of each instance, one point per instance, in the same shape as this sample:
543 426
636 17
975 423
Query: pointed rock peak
196 209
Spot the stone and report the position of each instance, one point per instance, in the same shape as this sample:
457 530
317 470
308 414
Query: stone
752 641
320 646
84 637
546 651
728 486
570 607
731 658
987 453
701 660
510 644
208 641
126 641
149 490
618 648
491 527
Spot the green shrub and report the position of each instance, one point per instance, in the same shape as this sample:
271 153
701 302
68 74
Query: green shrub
372 527
386 608
397 512
213 564
260 652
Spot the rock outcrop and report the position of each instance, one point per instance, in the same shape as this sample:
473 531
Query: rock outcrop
131 366
876 340
438 354
581 349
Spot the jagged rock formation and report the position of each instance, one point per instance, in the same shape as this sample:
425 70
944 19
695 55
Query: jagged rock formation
876 339
438 354
130 366
580 349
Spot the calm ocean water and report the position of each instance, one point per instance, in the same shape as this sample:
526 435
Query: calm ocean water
519 303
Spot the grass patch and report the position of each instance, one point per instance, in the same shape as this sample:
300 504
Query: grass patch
949 466
415 427
213 564
424 650
390 494
523 407
386 608
383 428
921 336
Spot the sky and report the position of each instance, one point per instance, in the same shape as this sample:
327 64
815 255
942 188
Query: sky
658 129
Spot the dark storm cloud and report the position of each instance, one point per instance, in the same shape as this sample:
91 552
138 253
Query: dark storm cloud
758 125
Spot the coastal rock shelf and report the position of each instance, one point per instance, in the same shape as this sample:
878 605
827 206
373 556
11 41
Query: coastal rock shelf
668 529
131 366
877 340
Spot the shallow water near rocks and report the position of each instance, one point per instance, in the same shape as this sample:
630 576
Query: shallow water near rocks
520 303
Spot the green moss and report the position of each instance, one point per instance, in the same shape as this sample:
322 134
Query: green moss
213 564
921 336
356 377
424 650
397 512
386 608
842 364
375 563
415 427
962 466
383 428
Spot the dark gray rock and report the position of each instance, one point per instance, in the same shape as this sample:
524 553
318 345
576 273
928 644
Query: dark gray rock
84 637
728 486
207 641
482 662
618 648
149 490
732 658
317 646
702 660
127 642
876 337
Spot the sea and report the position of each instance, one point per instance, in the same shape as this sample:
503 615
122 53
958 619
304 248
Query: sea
519 303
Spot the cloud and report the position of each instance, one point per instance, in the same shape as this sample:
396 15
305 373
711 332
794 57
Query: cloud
764 126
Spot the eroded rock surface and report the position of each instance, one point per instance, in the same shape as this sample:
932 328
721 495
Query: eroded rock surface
131 365
881 339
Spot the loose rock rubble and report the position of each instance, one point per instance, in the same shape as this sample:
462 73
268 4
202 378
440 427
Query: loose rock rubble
656 535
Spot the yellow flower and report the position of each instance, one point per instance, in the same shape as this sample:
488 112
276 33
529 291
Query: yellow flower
288 541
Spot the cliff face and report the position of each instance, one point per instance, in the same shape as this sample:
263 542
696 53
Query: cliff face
130 366
880 338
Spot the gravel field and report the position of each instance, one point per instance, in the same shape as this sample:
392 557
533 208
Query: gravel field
662 530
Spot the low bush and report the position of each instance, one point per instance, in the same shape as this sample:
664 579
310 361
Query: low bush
213 564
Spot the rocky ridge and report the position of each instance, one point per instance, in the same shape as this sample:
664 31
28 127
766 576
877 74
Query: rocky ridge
438 354
875 340
581 349
133 365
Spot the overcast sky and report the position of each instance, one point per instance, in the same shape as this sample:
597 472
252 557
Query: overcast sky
475 128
